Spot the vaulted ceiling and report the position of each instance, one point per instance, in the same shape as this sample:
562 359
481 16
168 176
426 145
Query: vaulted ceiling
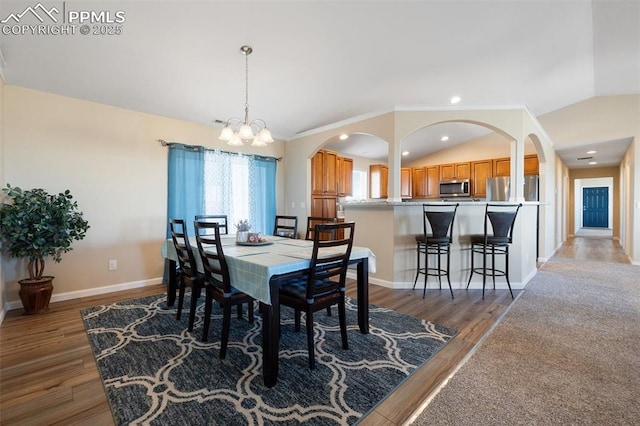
318 62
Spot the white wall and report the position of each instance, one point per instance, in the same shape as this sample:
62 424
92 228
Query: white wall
116 170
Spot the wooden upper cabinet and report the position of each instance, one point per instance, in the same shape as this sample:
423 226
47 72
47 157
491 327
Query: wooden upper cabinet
453 171
502 166
324 173
378 181
345 176
480 171
432 181
405 182
418 182
425 182
531 165
446 171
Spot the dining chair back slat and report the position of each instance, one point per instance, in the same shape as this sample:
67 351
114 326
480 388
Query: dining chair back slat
286 226
221 219
312 221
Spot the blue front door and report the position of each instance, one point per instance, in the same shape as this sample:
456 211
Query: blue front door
595 207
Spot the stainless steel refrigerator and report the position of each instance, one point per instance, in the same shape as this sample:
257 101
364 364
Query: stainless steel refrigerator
498 188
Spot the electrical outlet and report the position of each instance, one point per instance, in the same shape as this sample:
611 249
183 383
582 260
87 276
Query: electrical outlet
302 204
293 204
113 264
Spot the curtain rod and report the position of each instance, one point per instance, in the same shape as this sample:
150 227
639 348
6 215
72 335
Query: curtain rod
165 143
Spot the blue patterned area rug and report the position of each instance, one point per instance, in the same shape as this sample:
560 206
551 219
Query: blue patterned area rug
156 372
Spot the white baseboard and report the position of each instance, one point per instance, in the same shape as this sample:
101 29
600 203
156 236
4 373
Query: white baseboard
17 304
383 283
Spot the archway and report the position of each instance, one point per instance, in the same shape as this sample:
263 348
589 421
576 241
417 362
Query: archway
472 146
365 150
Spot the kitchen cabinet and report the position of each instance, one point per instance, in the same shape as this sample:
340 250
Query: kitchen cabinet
378 181
455 171
324 206
331 176
405 182
345 176
418 181
432 181
502 166
480 171
324 173
425 182
531 165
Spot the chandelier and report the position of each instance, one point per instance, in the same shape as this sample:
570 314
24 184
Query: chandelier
236 131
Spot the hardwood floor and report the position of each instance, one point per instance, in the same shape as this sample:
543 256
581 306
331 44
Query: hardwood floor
48 374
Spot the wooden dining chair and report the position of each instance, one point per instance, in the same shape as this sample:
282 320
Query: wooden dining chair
217 282
187 273
286 226
324 284
312 221
221 219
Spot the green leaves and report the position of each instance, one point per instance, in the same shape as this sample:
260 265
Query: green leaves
36 224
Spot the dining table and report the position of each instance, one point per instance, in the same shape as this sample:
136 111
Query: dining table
257 270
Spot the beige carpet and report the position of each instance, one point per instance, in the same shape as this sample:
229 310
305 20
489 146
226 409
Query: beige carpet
567 352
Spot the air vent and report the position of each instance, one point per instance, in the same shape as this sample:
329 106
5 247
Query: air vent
584 158
216 121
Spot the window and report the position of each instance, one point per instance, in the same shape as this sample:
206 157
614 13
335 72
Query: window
358 185
203 181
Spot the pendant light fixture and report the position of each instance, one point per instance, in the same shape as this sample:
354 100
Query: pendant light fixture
236 131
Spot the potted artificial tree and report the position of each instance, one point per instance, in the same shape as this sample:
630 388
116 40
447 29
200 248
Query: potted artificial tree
35 225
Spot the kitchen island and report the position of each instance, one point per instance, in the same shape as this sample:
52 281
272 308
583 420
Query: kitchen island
389 230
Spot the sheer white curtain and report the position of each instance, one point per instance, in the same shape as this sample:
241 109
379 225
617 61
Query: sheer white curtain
242 187
226 185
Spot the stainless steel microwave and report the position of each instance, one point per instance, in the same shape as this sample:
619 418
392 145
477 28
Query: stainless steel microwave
455 188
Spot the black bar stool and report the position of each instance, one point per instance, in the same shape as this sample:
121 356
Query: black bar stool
438 218
499 220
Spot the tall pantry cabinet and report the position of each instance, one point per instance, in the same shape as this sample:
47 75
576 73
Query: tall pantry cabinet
330 178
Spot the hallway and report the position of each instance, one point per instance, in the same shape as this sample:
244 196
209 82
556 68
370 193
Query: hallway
593 248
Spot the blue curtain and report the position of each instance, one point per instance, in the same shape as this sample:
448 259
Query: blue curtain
262 204
185 197
202 181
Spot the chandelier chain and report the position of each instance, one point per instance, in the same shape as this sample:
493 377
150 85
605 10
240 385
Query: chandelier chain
246 88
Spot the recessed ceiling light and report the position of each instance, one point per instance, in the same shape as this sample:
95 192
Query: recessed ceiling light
344 137
591 152
593 162
405 153
455 99
444 138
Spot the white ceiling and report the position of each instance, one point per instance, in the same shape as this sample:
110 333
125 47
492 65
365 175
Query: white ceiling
319 62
